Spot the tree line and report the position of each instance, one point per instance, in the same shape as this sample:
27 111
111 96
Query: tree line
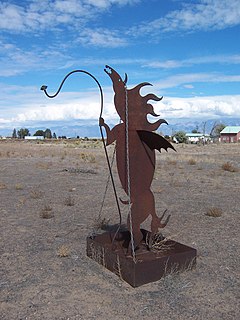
24 132
214 133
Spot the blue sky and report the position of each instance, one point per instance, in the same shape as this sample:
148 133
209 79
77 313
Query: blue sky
188 50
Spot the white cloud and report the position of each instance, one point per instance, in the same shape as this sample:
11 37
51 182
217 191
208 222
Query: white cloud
204 107
76 106
39 15
215 59
189 78
203 15
102 38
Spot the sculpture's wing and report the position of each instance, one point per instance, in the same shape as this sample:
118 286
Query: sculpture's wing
154 140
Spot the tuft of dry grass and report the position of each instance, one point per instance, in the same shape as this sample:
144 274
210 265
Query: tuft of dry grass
36 194
192 162
158 243
46 212
69 201
227 166
3 186
88 157
101 223
63 251
18 186
214 212
171 162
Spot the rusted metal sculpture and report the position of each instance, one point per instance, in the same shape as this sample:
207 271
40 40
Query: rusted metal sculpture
135 152
127 252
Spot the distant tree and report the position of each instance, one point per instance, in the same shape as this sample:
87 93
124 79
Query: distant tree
216 129
195 131
39 133
14 134
48 134
23 132
180 136
54 135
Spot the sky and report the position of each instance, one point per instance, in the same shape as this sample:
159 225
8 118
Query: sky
188 50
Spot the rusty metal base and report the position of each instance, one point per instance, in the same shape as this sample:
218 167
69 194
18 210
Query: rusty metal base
150 266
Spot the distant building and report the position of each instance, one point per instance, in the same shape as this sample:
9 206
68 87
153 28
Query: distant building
34 138
230 134
197 137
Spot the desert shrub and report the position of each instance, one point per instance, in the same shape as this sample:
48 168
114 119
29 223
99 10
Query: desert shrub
171 162
36 194
101 223
69 201
3 185
214 212
88 157
18 186
192 161
227 166
63 251
46 212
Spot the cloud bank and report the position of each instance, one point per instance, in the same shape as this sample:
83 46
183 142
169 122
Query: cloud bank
79 108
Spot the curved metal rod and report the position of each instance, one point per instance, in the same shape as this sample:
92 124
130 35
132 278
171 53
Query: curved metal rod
44 88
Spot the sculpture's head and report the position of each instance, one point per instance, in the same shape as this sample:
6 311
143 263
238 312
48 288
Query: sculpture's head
137 105
116 78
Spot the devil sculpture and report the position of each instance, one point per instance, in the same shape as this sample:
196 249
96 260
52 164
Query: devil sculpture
135 151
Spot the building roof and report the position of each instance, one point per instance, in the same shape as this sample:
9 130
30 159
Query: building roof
231 129
196 135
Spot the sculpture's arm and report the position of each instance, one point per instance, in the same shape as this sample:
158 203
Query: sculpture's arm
110 133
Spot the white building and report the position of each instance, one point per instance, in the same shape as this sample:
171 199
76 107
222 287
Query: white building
197 137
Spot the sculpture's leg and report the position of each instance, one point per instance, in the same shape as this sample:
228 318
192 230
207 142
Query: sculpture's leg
142 206
136 232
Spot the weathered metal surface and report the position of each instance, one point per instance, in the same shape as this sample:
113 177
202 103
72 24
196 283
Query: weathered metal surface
135 151
149 266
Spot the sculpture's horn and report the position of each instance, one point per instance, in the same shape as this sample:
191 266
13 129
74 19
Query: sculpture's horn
126 79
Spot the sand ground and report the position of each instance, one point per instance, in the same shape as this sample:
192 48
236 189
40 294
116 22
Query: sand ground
50 199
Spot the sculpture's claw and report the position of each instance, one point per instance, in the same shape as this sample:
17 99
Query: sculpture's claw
166 221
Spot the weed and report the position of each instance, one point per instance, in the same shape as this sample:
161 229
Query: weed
69 201
192 162
88 157
43 165
63 251
214 212
158 243
3 186
36 194
227 166
171 162
46 212
18 186
100 223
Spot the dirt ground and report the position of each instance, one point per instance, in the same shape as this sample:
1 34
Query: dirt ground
50 199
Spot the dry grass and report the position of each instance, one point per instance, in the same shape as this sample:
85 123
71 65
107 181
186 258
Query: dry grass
214 212
46 212
69 201
18 186
38 277
228 166
100 223
63 251
3 186
36 194
158 243
88 157
192 161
